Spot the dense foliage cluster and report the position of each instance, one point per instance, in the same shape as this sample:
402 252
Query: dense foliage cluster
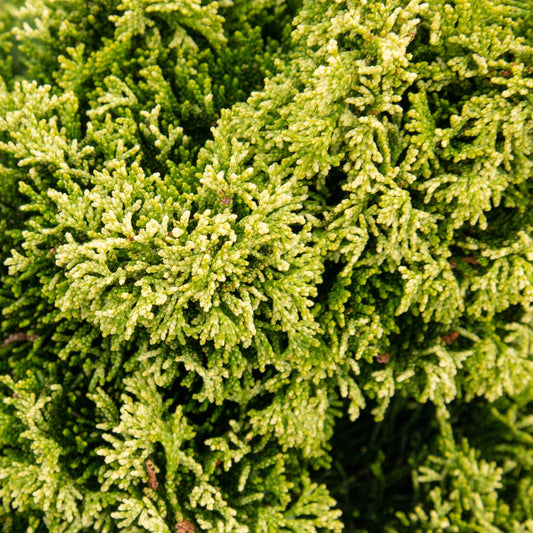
266 266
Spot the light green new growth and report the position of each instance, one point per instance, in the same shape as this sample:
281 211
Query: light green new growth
223 226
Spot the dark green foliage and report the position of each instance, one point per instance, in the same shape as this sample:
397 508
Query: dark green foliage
261 256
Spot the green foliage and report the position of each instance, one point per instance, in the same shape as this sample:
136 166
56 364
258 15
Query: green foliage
262 260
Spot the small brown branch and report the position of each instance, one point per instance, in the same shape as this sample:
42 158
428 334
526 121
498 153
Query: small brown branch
18 337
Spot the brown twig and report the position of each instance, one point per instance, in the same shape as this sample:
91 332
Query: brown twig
152 480
17 337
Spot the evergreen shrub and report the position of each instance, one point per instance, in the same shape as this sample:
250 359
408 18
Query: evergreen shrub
266 266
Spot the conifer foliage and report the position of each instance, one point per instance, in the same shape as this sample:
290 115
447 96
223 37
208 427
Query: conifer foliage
266 266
